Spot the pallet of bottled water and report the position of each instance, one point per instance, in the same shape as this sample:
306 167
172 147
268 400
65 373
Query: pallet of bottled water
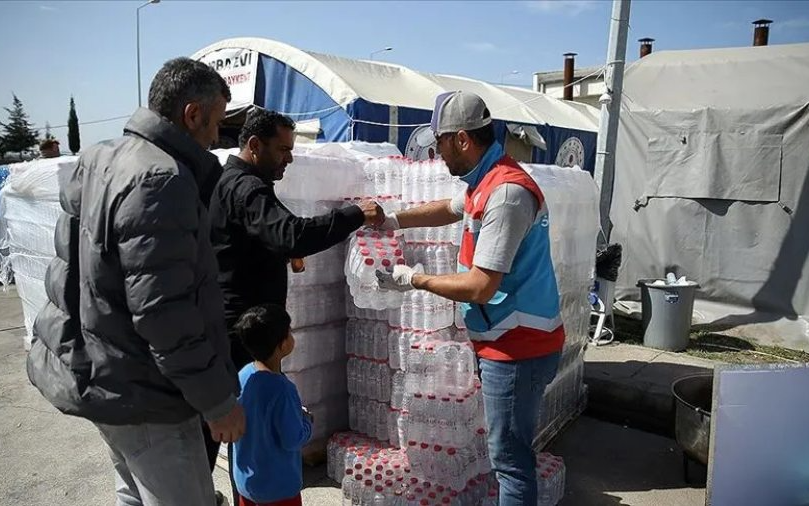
412 383
371 473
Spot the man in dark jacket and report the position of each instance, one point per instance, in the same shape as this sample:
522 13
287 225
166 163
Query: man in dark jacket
133 337
254 235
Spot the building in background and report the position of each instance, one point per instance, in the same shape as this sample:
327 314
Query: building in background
583 85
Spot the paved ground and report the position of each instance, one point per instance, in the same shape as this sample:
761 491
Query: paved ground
632 384
47 458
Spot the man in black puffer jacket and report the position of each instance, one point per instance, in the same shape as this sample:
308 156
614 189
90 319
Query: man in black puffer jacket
133 337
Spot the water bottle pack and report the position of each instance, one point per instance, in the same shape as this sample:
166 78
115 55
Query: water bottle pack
369 378
367 339
445 367
382 178
369 417
452 426
368 252
422 310
320 383
363 313
308 305
550 479
563 396
449 235
429 180
372 474
315 346
436 257
450 466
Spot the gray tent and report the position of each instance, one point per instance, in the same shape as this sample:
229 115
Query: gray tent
711 182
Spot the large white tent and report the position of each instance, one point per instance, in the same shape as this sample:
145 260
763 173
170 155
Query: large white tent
711 182
383 102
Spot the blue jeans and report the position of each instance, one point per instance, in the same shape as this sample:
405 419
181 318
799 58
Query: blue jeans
512 398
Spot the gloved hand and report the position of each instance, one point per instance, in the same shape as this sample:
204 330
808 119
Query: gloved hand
401 279
391 222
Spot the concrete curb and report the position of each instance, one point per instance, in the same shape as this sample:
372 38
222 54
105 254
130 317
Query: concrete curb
631 385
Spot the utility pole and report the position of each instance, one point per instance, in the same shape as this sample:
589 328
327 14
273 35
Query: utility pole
610 110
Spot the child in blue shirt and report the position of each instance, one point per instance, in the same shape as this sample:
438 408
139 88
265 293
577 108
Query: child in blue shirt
267 459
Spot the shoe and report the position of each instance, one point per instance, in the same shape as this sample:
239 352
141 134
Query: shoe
220 498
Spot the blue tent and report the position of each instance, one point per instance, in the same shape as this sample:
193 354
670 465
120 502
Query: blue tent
336 99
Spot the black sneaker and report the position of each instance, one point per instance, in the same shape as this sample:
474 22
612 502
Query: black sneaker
220 498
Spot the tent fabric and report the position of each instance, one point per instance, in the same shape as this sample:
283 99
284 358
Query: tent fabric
384 102
711 179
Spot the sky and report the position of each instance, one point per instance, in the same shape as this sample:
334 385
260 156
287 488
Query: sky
50 50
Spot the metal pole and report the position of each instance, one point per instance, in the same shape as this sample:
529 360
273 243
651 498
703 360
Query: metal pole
610 110
137 32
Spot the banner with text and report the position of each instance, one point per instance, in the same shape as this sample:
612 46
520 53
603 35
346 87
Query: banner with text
238 67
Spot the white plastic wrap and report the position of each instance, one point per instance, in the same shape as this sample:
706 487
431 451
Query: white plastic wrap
29 208
315 346
320 383
572 199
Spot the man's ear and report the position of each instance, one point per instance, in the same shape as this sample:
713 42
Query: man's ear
193 116
463 139
253 144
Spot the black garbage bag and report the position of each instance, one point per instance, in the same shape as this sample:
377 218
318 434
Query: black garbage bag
608 261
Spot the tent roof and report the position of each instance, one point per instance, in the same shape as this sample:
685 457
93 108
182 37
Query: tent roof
732 78
346 80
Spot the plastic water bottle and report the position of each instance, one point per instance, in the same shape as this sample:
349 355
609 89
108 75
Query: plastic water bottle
417 304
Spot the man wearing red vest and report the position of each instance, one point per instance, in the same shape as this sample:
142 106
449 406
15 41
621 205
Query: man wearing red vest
505 283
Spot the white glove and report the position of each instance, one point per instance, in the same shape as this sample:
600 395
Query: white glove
391 222
401 279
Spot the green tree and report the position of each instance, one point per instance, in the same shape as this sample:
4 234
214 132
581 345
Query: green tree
73 140
19 134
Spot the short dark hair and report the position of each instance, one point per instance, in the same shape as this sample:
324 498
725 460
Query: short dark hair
263 124
262 329
181 81
483 136
48 144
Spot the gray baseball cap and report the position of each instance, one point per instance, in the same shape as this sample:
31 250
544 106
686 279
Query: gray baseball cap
459 110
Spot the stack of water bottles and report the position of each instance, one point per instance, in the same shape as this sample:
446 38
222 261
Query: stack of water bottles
373 474
572 199
428 181
550 479
316 304
369 251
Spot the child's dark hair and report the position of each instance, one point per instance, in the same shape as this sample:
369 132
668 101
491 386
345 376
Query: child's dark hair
262 329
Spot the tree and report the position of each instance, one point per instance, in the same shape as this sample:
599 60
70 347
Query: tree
19 134
73 140
48 134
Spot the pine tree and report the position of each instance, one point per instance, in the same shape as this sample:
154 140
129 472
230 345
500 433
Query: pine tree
48 134
73 140
19 134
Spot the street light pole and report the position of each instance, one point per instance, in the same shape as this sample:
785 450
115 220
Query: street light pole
137 44
604 172
380 51
503 76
